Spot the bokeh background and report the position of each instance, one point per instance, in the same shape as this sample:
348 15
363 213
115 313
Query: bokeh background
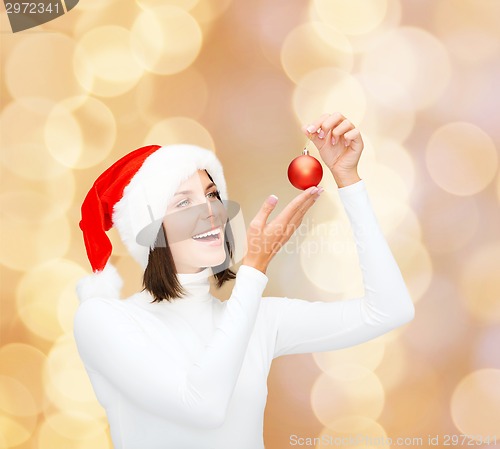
420 80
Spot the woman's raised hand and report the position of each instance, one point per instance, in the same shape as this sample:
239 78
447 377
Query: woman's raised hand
266 239
340 145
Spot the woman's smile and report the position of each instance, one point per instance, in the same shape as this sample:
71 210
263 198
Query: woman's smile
211 237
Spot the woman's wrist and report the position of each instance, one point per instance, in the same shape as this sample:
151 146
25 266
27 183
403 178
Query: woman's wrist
258 266
346 179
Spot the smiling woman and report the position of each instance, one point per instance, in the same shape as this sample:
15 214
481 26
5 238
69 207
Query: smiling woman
173 365
195 233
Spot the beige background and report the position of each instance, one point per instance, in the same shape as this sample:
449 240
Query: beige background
420 80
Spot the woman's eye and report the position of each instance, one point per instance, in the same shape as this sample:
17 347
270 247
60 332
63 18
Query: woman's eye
211 194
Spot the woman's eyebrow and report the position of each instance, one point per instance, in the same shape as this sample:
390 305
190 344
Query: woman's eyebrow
184 192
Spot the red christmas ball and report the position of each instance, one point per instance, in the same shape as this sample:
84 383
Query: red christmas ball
305 171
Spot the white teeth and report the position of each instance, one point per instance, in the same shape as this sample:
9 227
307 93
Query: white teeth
206 234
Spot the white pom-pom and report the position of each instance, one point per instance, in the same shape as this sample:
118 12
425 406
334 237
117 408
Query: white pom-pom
102 284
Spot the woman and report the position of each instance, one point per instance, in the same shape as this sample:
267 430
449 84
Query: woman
175 367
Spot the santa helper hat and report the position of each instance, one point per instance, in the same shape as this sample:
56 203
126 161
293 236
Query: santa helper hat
132 195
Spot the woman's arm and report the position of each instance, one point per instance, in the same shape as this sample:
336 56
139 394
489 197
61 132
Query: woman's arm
113 344
304 326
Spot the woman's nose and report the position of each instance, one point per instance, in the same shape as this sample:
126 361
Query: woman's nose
210 209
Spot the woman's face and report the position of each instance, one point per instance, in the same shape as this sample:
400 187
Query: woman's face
193 211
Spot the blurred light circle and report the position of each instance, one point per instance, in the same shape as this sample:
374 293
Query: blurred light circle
332 399
61 370
13 433
353 432
91 20
352 17
179 130
386 92
461 158
481 284
166 39
363 43
471 31
131 273
498 187
413 61
15 398
328 90
76 425
26 244
48 56
486 354
314 45
49 434
392 368
80 134
63 136
389 196
475 403
41 291
183 4
208 10
91 5
345 363
393 119
449 222
183 94
18 412
23 152
395 156
420 386
24 363
329 258
104 63
427 335
409 228
60 190
29 206
67 384
18 197
414 261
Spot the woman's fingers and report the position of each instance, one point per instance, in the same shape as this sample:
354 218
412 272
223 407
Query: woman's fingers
328 126
354 139
343 127
316 125
297 203
287 222
266 239
261 218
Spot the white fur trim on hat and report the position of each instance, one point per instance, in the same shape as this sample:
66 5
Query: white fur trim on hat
146 197
102 284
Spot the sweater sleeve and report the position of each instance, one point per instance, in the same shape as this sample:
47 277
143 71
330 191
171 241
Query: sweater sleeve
304 326
113 344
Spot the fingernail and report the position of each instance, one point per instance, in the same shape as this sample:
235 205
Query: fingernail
313 191
311 128
321 134
273 199
333 140
321 190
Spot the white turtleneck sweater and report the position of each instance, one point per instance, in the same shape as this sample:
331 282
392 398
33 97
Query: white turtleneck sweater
192 373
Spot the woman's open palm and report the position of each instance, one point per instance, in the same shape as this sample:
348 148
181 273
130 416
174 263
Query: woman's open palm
266 239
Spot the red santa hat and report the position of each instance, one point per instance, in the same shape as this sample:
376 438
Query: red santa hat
132 195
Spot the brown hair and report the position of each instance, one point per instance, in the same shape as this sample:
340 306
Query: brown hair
160 276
